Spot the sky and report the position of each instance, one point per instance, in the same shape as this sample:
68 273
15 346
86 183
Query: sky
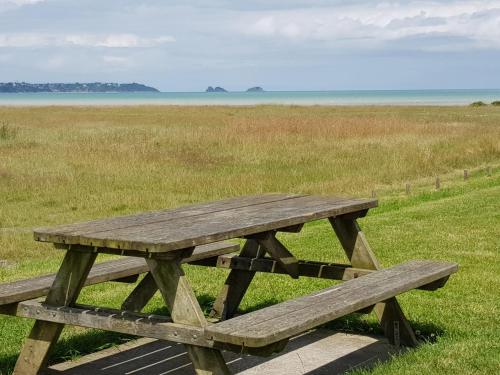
277 44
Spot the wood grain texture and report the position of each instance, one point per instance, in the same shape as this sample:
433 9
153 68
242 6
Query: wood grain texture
290 318
176 230
131 221
23 290
144 325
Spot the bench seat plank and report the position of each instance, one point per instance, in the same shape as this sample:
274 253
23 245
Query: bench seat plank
290 318
23 290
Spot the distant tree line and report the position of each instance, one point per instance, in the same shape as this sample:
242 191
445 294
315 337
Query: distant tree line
13 87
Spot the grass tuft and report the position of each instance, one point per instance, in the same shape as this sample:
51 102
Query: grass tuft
7 131
478 104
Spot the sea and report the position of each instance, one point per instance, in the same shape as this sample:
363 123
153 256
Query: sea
306 98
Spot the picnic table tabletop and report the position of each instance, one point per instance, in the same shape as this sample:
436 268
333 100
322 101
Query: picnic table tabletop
174 229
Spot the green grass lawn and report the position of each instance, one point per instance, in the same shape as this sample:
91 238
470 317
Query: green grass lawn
459 324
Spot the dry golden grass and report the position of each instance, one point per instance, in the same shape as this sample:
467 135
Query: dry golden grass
63 164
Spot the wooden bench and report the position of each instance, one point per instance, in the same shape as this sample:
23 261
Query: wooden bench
125 269
264 331
285 320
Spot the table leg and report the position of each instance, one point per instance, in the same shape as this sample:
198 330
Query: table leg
64 291
389 313
236 285
141 294
184 308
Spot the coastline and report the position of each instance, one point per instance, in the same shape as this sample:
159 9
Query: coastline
296 98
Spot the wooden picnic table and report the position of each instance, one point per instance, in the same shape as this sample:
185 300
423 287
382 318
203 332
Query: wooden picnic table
165 239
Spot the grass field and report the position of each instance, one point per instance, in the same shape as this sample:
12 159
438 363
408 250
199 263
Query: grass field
61 164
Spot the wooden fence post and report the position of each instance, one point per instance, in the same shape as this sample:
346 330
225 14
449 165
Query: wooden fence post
438 183
466 174
407 189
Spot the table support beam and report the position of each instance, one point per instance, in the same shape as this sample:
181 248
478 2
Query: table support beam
185 309
391 317
279 252
64 291
236 284
141 295
313 269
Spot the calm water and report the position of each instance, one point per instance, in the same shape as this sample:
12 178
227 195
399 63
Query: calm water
375 97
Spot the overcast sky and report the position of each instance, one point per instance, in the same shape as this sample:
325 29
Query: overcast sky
280 45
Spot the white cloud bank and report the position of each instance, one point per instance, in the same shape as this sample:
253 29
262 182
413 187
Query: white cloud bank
478 22
19 2
24 40
13 4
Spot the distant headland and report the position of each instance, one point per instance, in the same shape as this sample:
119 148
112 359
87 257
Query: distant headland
255 89
14 87
216 89
222 89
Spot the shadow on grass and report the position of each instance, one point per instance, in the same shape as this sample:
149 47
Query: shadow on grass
356 323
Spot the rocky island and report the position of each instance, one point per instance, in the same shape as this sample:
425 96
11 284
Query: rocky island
255 89
15 87
216 89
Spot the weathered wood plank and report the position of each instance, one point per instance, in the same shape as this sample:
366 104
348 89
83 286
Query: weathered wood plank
102 272
290 318
145 325
65 289
130 221
206 228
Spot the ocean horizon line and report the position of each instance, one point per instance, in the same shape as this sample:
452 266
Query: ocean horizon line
244 98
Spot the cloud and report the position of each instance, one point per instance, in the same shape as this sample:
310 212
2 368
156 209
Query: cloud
13 4
19 2
25 40
116 41
380 22
118 60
